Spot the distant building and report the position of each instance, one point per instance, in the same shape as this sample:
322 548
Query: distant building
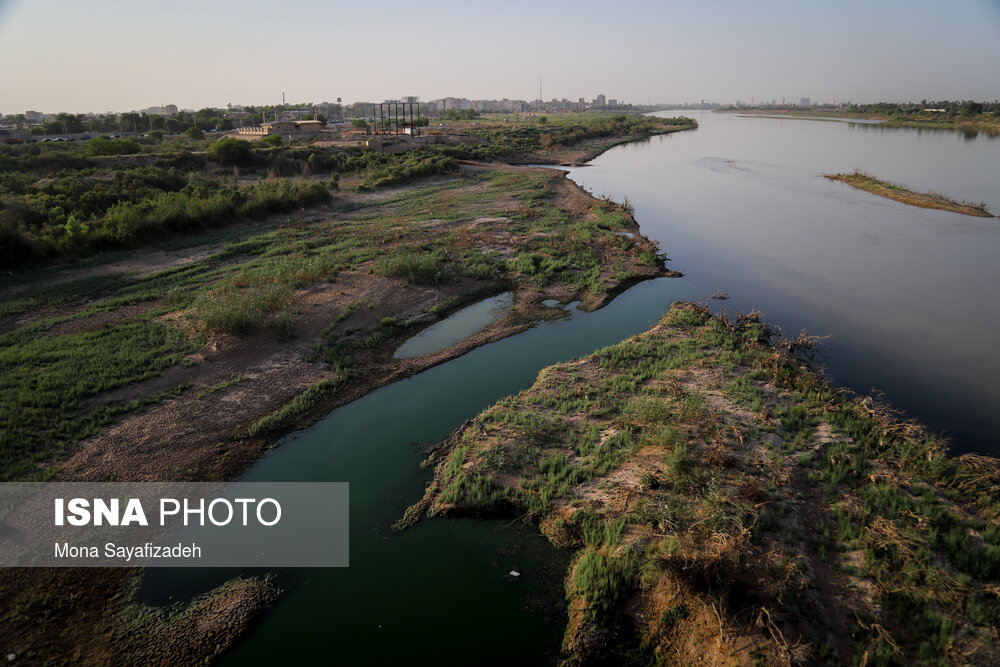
805 101
600 101
296 114
168 110
612 102
283 128
457 103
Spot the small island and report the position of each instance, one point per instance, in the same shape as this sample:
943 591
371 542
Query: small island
726 504
864 181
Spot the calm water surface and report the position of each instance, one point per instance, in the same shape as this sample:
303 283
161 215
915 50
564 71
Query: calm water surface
456 327
740 205
908 295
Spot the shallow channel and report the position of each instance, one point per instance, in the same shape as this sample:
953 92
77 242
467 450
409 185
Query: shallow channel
439 591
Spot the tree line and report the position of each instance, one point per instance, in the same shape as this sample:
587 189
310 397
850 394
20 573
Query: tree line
206 119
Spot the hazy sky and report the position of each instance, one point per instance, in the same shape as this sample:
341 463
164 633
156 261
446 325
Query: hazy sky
100 55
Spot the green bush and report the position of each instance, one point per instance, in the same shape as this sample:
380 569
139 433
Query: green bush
99 146
232 152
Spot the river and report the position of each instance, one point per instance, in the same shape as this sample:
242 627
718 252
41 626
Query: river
908 295
740 206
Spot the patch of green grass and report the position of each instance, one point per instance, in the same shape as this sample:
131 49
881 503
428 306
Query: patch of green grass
297 407
602 580
46 381
540 268
673 615
243 306
418 268
235 380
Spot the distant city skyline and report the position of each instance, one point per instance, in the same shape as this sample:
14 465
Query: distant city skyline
105 56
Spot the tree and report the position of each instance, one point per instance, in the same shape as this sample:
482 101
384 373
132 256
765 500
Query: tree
972 108
194 133
128 122
105 146
69 122
206 118
231 152
359 123
75 231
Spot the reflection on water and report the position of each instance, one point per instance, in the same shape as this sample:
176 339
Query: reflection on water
908 294
962 134
456 327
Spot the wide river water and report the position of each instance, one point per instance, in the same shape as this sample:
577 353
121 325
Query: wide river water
908 296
